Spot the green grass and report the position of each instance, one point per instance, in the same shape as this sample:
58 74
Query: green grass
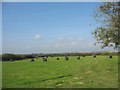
89 72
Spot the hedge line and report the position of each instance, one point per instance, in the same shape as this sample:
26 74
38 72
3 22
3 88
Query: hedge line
8 56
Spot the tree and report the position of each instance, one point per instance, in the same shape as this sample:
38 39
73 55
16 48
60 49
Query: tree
107 33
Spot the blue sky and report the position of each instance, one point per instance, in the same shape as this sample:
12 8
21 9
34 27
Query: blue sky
56 0
49 27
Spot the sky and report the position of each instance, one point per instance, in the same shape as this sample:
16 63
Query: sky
0 27
60 0
49 27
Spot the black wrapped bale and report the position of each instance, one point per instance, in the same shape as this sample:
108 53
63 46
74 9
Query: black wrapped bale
66 58
32 60
94 56
110 56
83 55
78 58
44 59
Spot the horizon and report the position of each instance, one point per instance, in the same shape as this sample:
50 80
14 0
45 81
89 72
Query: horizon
64 52
49 27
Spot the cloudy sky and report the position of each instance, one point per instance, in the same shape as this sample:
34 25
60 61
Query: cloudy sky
49 27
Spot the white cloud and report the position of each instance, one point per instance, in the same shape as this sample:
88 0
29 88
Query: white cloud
67 43
37 37
70 44
61 44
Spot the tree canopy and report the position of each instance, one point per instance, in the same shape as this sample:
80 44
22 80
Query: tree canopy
107 32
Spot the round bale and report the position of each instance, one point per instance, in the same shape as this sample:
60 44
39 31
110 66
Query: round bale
78 58
44 59
94 56
32 60
110 56
66 58
57 58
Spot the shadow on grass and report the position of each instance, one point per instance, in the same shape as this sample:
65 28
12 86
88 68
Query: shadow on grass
59 77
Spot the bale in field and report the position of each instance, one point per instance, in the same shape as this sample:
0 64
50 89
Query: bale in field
66 58
78 58
44 59
83 55
94 56
110 56
11 60
32 60
57 58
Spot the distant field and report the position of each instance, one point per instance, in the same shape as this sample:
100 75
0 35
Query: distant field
88 72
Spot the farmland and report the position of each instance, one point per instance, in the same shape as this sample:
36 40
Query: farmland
88 72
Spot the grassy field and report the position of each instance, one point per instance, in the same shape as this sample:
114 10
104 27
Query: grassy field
88 72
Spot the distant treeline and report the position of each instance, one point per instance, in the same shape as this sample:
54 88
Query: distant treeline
8 56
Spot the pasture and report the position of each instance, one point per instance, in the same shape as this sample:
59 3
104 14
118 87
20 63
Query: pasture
88 72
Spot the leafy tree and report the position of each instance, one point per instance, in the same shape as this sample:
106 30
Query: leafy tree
107 33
